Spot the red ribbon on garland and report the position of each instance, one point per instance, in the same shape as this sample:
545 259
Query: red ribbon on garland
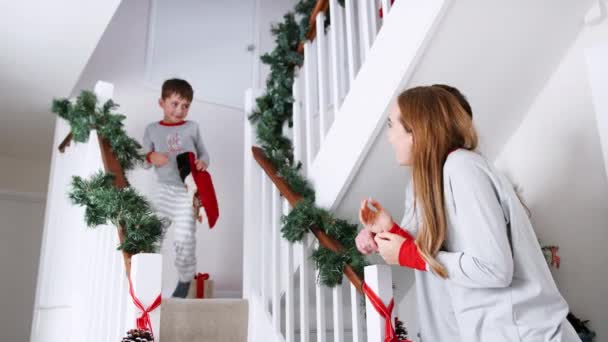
385 312
143 322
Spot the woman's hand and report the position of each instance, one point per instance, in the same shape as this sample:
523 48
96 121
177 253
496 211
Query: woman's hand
365 242
389 246
377 221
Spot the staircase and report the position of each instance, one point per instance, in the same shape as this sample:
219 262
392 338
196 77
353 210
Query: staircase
286 302
351 72
204 320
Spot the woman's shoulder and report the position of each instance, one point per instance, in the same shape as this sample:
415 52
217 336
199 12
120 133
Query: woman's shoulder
465 162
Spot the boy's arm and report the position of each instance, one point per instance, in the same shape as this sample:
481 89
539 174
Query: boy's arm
201 151
148 145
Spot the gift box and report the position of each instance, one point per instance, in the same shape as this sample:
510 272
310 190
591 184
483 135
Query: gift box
201 286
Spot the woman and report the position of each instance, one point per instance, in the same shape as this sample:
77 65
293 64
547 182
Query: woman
480 272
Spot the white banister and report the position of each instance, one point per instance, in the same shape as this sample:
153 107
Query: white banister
289 291
336 51
386 6
374 19
338 313
322 75
298 145
343 60
356 318
320 300
309 103
304 275
264 238
364 27
351 40
276 259
380 280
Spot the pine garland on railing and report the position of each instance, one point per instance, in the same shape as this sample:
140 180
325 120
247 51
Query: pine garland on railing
126 208
84 116
274 110
103 201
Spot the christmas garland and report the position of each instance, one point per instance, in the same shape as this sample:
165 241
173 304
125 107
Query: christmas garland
273 110
104 202
84 116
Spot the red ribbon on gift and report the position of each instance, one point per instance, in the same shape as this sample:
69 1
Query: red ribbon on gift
385 312
143 322
200 284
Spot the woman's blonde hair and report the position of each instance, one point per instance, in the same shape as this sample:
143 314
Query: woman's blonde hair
439 125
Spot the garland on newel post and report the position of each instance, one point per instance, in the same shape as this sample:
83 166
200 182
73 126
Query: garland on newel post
107 196
103 201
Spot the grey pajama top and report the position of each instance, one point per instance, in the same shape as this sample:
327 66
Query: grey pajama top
174 139
499 287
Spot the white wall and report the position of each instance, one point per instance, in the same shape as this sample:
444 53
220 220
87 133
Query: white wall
21 217
267 12
22 197
555 157
21 175
45 46
205 41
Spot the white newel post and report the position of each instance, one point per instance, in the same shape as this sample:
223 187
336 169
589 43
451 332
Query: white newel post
146 276
380 280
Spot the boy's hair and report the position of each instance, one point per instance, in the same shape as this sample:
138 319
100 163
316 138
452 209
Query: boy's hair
461 98
177 86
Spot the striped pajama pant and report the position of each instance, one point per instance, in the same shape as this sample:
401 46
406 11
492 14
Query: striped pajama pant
174 203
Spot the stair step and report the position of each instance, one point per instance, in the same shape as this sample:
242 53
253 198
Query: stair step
195 320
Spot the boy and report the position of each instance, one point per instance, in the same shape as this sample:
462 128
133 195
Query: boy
162 142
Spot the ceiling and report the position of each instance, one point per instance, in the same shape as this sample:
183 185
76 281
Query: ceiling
45 46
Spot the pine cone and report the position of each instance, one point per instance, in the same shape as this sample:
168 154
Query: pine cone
136 335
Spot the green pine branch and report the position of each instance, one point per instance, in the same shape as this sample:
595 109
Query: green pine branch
106 204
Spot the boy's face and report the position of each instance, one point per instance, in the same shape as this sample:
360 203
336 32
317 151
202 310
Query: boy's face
175 108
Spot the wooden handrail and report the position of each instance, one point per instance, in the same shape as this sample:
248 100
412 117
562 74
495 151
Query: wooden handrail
293 198
320 6
111 165
65 143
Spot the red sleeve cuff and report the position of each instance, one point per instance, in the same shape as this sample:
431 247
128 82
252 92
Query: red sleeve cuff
395 229
148 157
410 257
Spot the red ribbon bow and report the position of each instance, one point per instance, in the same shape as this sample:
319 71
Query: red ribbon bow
143 322
385 312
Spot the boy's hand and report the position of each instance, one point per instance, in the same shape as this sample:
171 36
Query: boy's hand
200 165
158 159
